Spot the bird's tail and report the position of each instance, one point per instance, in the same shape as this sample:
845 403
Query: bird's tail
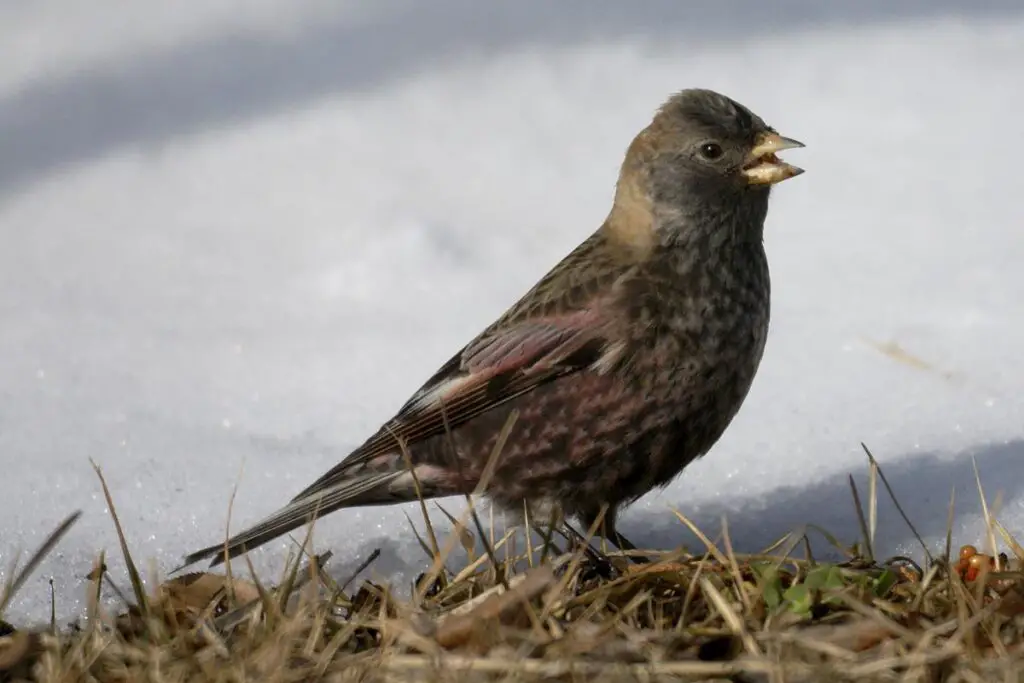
376 488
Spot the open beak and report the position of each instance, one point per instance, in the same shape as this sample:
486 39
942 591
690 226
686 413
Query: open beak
762 167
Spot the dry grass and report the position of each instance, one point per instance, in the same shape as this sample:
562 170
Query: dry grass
561 610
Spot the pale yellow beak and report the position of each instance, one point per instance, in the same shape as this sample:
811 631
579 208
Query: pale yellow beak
762 167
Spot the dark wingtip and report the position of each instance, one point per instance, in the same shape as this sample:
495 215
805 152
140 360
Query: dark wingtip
214 551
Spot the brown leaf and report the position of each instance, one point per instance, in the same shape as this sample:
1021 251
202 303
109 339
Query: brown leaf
198 589
457 629
184 599
17 648
855 636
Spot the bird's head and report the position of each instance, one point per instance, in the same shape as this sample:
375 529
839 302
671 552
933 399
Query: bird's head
702 139
703 156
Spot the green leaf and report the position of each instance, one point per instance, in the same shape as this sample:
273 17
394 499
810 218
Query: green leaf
801 598
884 583
861 579
771 586
834 579
823 576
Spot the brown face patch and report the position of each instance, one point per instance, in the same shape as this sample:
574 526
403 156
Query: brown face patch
631 220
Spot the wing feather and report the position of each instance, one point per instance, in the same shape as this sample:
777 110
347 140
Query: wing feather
494 369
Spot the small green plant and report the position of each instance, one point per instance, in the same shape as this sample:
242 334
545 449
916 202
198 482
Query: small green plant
819 587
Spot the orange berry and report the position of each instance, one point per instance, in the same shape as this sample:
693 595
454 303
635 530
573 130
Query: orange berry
967 552
980 561
978 564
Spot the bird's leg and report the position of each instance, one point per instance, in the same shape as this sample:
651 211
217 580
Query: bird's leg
555 519
607 530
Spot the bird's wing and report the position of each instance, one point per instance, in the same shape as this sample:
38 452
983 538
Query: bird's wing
553 332
497 366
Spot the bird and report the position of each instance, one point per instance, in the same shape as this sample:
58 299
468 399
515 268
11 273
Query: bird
622 365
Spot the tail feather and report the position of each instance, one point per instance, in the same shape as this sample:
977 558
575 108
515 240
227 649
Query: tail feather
370 489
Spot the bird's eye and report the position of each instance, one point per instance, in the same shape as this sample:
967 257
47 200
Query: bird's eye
711 150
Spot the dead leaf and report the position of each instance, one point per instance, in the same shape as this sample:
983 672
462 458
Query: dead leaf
186 598
17 648
457 629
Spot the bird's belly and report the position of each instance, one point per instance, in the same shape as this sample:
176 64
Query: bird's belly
694 385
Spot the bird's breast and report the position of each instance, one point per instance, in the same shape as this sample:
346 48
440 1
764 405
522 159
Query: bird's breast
700 325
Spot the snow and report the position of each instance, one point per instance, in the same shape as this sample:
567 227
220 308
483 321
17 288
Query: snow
234 242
